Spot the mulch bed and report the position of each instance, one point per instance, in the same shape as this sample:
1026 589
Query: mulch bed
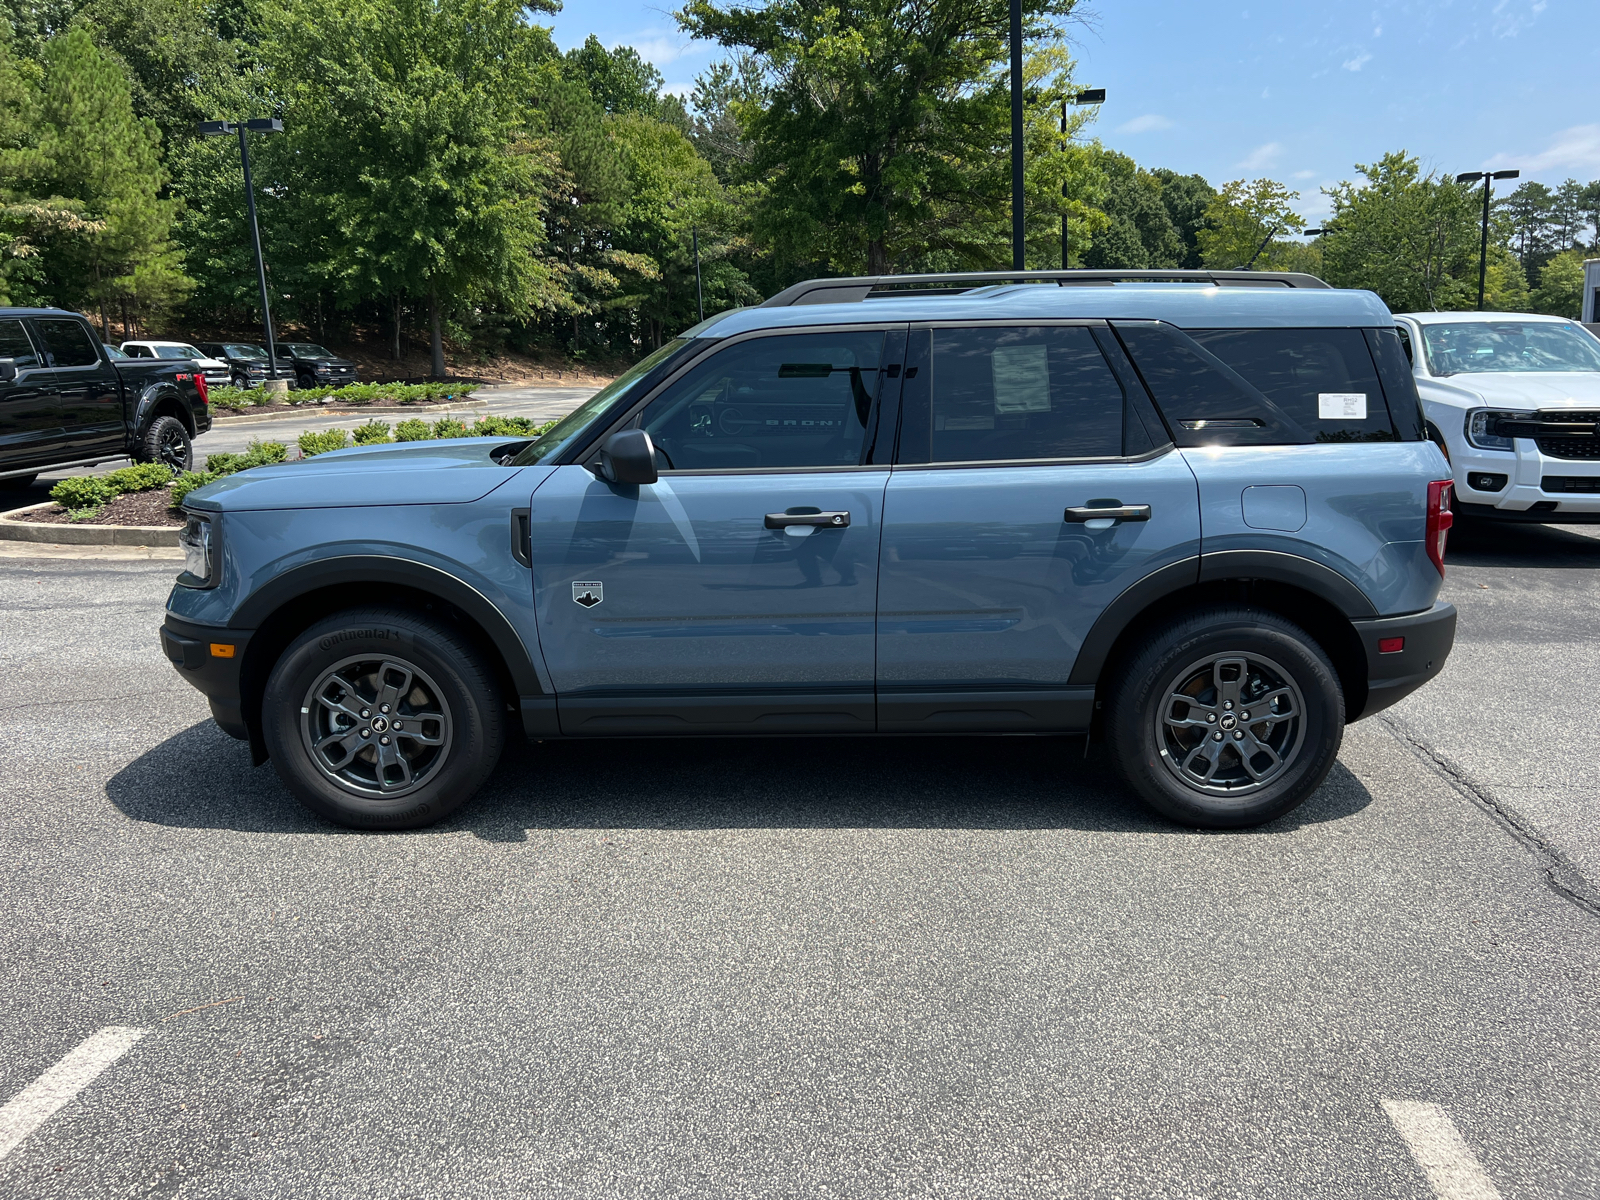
130 508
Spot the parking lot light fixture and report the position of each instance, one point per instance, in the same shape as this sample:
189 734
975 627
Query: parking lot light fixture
1488 178
241 128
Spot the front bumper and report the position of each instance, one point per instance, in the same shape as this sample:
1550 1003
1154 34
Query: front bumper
1426 639
200 653
1525 484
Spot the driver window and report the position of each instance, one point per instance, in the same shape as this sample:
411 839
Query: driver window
793 400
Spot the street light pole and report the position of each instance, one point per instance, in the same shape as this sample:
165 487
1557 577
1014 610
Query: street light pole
1483 246
1016 137
255 125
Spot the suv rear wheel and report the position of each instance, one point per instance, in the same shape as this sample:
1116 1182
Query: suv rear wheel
166 441
382 719
1227 718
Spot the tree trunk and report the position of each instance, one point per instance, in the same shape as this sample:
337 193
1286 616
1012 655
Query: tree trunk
394 353
435 332
877 257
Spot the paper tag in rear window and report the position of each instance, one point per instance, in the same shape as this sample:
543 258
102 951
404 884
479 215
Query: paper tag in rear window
1342 406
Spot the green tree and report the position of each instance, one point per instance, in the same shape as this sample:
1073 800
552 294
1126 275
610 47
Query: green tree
1530 210
1242 223
1568 220
1589 199
619 80
1140 231
884 135
1560 290
408 121
98 153
1186 198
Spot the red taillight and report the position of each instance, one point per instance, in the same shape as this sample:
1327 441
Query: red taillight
1391 645
1440 518
200 386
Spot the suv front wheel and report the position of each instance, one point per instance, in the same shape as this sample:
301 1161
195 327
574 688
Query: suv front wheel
1227 718
382 719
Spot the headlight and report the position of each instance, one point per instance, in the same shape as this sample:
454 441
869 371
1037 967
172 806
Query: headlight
199 561
1479 423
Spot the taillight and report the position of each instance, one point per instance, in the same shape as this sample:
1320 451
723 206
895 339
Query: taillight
1440 518
200 386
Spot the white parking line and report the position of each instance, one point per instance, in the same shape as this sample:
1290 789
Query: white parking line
41 1099
1440 1150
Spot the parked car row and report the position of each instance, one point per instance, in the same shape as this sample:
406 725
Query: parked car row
244 365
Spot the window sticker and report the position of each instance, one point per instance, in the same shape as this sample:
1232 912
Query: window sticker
1342 406
1021 379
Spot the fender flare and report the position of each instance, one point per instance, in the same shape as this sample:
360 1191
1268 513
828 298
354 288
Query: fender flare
1215 567
153 397
376 568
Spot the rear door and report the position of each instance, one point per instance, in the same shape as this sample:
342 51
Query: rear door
87 386
737 593
995 566
30 421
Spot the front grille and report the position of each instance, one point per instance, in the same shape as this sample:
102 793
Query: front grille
1580 448
1570 483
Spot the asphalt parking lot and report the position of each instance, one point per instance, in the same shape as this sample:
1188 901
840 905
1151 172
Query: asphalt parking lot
952 967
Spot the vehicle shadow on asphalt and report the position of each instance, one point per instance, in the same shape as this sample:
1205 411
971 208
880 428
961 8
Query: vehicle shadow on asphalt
1478 543
201 778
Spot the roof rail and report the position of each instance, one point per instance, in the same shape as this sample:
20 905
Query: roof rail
851 289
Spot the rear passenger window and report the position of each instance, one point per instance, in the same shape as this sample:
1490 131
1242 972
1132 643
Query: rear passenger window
1205 401
1323 378
69 344
14 344
1003 394
794 400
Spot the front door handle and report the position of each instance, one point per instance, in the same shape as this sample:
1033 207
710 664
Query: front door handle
1107 511
829 520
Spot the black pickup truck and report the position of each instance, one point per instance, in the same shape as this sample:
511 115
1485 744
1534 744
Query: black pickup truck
64 402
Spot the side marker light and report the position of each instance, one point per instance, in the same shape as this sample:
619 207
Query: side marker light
221 650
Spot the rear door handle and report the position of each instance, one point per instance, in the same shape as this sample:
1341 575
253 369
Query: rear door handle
830 520
1110 512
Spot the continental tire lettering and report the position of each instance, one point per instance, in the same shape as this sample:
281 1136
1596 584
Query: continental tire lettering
347 635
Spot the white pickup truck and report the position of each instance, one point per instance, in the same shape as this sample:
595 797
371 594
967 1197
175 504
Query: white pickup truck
1515 398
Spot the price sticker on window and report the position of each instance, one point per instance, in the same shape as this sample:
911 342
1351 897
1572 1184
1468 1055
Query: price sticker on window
1342 406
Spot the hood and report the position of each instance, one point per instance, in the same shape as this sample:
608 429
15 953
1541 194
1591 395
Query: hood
457 471
1526 390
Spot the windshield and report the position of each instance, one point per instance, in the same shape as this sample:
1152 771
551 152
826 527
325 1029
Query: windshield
1471 347
570 427
307 350
246 352
174 352
113 352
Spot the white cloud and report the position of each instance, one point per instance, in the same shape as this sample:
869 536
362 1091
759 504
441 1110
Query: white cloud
660 47
681 90
1305 175
1574 149
1261 157
1359 61
1145 124
1511 17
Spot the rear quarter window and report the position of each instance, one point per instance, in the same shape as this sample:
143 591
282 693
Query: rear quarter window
1323 379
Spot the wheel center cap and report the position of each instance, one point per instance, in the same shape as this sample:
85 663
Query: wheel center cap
379 724
1228 721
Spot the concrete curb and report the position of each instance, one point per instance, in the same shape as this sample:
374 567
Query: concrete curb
300 414
41 550
14 529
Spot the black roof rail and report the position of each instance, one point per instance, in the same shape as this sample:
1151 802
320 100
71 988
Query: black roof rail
851 289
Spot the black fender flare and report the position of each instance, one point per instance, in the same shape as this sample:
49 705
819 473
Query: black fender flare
376 568
155 396
1270 565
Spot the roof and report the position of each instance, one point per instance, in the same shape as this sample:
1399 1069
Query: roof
1435 318
1187 305
37 312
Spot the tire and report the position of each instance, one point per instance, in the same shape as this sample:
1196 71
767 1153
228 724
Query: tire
240 382
166 440
1226 659
305 381
353 663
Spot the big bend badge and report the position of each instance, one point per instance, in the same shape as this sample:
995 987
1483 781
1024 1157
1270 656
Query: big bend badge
588 592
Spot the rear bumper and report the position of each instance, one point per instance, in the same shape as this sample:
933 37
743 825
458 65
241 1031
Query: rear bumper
1426 641
193 650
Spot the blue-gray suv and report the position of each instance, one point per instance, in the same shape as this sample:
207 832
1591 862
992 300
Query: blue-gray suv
1195 515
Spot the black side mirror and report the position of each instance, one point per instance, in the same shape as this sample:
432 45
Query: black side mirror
8 369
628 457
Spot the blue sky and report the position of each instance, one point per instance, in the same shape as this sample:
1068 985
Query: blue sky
1297 91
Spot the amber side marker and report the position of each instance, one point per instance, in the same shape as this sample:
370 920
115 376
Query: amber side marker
221 650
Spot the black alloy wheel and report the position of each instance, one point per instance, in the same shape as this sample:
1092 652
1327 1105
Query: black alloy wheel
166 441
1226 718
383 719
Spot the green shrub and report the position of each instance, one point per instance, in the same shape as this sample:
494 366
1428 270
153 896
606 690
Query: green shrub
371 434
503 427
313 443
188 481
447 427
82 492
412 430
142 477
235 399
264 453
225 463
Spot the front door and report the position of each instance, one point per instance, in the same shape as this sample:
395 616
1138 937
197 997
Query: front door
88 389
30 421
995 566
737 593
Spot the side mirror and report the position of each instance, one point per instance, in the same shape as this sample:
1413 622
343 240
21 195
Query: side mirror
628 457
8 369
